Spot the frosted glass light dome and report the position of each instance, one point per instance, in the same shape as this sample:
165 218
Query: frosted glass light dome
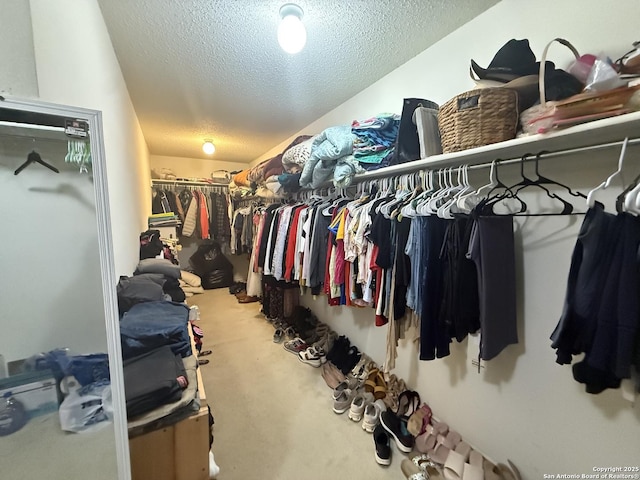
292 35
208 147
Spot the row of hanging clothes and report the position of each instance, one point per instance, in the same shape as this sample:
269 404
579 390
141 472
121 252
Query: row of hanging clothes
242 222
424 249
601 313
204 210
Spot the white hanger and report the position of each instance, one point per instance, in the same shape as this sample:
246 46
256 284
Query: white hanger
591 200
463 186
408 210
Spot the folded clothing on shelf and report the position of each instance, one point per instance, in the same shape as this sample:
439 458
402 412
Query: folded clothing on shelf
153 379
150 325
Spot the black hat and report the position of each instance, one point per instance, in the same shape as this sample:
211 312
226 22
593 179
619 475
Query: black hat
515 59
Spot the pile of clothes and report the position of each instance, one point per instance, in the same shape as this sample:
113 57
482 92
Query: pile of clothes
337 154
159 365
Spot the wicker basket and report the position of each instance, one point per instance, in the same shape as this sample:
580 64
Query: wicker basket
478 117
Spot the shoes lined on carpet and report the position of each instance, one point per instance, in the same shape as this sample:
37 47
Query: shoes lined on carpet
385 407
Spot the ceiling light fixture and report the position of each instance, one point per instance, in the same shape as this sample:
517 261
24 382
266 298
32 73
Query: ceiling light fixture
208 147
292 36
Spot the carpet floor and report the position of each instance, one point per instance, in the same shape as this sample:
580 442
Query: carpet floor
273 414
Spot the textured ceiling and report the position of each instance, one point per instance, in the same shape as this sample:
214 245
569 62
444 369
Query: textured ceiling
199 69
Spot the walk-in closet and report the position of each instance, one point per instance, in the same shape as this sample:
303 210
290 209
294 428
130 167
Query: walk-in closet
317 239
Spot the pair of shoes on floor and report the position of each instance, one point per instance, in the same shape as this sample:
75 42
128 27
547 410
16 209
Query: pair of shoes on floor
396 427
394 388
326 340
344 355
371 417
332 375
465 463
366 408
419 467
382 444
237 288
278 335
313 356
376 384
295 346
244 298
358 405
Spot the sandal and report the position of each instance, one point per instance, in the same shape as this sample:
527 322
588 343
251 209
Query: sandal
425 442
408 403
419 468
380 389
370 382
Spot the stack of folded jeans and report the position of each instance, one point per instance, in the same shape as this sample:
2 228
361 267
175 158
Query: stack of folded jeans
153 379
150 325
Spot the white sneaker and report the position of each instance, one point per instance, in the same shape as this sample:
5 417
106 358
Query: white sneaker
349 384
372 415
360 401
313 356
343 402
214 469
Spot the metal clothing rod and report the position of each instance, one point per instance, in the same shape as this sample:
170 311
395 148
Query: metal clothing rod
558 153
186 182
424 164
32 126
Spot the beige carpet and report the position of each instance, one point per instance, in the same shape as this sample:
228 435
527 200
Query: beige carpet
273 413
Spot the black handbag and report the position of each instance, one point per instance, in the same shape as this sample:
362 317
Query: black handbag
407 146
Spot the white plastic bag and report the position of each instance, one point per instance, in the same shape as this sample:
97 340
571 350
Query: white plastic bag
87 409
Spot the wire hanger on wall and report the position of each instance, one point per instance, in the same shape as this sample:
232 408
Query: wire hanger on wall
34 157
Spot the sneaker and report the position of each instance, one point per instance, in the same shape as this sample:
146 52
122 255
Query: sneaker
277 335
349 383
313 356
372 414
358 405
343 402
397 428
295 346
383 447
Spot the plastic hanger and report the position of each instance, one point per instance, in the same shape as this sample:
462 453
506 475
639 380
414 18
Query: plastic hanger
632 201
422 208
526 182
548 181
409 209
488 204
452 206
620 200
591 199
34 157
444 211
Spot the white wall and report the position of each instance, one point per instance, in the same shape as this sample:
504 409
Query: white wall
522 406
193 167
76 65
18 71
